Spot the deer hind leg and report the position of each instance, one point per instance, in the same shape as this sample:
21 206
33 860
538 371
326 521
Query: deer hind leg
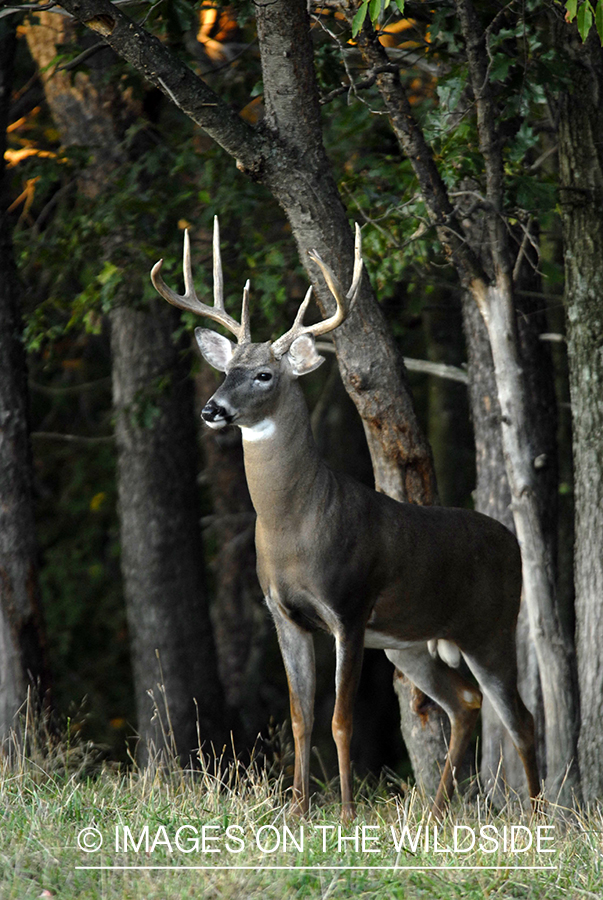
297 650
496 674
349 649
457 696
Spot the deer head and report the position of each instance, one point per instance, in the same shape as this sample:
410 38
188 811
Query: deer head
256 374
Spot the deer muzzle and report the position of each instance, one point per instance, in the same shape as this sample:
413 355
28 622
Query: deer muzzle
215 415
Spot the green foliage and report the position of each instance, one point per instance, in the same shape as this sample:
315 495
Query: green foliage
586 14
399 241
375 10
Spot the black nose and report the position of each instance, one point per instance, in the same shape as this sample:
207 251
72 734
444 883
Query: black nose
212 411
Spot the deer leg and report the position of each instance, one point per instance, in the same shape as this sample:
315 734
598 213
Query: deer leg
349 649
297 649
496 673
460 699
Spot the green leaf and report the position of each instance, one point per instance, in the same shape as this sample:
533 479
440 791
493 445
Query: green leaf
572 8
400 5
599 20
500 67
585 19
374 10
358 20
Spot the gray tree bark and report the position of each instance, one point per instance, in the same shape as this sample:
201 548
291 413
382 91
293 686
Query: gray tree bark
22 653
581 168
170 632
495 299
238 616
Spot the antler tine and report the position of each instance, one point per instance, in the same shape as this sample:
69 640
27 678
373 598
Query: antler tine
357 275
218 277
189 299
344 302
245 337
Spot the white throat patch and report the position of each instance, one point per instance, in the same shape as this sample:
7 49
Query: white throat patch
260 432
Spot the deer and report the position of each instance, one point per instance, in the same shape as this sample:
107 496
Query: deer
427 584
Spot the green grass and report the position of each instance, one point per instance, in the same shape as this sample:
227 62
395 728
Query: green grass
52 791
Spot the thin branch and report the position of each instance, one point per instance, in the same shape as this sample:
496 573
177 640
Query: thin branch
490 141
69 389
527 239
358 85
72 438
439 370
352 88
83 56
162 68
55 7
412 142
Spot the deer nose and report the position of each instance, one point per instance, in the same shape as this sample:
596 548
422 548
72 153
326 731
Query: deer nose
213 412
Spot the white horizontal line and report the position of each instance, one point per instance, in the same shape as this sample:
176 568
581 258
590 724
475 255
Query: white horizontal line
320 868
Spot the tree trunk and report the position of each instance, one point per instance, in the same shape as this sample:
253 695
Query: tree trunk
495 300
22 656
581 165
500 764
550 643
238 616
286 154
170 632
157 461
300 177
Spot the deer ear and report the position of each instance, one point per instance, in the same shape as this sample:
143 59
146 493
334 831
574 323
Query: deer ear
302 355
215 348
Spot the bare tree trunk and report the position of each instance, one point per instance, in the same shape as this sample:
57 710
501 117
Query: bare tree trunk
581 165
496 304
238 616
495 300
22 656
500 764
170 631
157 461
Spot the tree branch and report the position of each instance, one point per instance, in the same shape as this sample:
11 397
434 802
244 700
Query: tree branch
164 70
490 141
412 142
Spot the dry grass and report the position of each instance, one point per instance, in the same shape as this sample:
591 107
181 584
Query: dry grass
231 823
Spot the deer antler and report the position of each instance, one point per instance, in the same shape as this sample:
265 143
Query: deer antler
191 302
344 302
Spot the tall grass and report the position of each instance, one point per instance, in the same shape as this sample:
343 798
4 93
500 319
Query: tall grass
224 830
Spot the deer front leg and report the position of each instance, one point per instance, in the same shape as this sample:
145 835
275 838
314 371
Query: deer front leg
349 650
297 649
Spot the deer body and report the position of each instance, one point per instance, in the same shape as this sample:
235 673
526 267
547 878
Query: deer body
426 584
315 539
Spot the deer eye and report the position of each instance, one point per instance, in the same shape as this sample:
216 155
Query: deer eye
263 376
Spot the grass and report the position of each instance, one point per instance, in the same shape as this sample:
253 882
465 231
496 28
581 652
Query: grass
56 800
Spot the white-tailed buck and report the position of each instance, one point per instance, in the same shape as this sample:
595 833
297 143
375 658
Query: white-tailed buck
426 584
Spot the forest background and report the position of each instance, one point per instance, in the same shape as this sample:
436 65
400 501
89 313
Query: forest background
467 143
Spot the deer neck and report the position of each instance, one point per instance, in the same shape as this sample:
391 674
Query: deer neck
282 463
